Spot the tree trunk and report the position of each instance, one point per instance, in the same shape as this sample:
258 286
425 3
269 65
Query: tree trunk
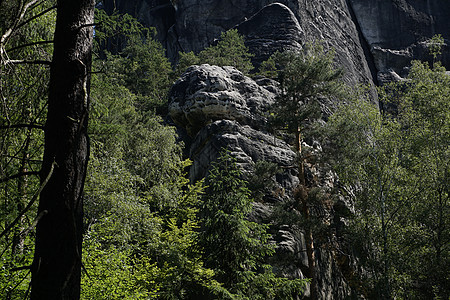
56 269
302 202
18 238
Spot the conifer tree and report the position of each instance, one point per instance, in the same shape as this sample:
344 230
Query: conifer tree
230 50
236 248
305 77
232 243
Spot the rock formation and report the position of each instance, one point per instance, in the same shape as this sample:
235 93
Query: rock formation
219 107
273 28
210 93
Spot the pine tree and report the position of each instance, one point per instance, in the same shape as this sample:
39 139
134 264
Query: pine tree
229 51
306 77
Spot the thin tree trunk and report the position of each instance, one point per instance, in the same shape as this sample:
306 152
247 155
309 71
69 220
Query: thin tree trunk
56 270
18 239
302 195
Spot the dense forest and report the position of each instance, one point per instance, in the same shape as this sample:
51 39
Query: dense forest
103 208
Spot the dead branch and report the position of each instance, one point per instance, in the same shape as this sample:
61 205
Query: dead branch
35 196
18 175
29 44
35 126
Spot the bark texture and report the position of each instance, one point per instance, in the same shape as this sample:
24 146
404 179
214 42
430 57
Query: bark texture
56 269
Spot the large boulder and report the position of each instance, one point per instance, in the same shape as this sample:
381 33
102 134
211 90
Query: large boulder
206 93
273 28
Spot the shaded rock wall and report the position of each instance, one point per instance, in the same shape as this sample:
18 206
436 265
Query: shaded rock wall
397 30
159 14
273 28
192 25
286 24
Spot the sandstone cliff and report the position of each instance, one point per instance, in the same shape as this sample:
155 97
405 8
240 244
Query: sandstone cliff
222 108
369 36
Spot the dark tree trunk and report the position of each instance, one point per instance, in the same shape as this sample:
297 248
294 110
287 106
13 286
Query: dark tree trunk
56 270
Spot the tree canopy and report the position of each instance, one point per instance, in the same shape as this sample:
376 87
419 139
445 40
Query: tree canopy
396 165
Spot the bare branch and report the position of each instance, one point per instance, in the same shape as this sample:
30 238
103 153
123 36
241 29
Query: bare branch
36 126
35 196
18 175
20 268
22 280
35 17
27 159
36 4
8 32
29 44
28 62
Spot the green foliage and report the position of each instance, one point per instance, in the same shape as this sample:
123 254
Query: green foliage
233 243
140 210
156 252
23 90
268 68
261 181
138 61
144 69
150 234
235 247
140 140
185 61
423 112
397 167
229 51
14 279
367 161
113 274
305 77
435 46
114 30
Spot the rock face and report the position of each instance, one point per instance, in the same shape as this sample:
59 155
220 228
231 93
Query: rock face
397 30
276 25
368 36
205 93
222 108
273 28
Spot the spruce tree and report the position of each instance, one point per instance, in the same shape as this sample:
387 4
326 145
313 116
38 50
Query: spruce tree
235 247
